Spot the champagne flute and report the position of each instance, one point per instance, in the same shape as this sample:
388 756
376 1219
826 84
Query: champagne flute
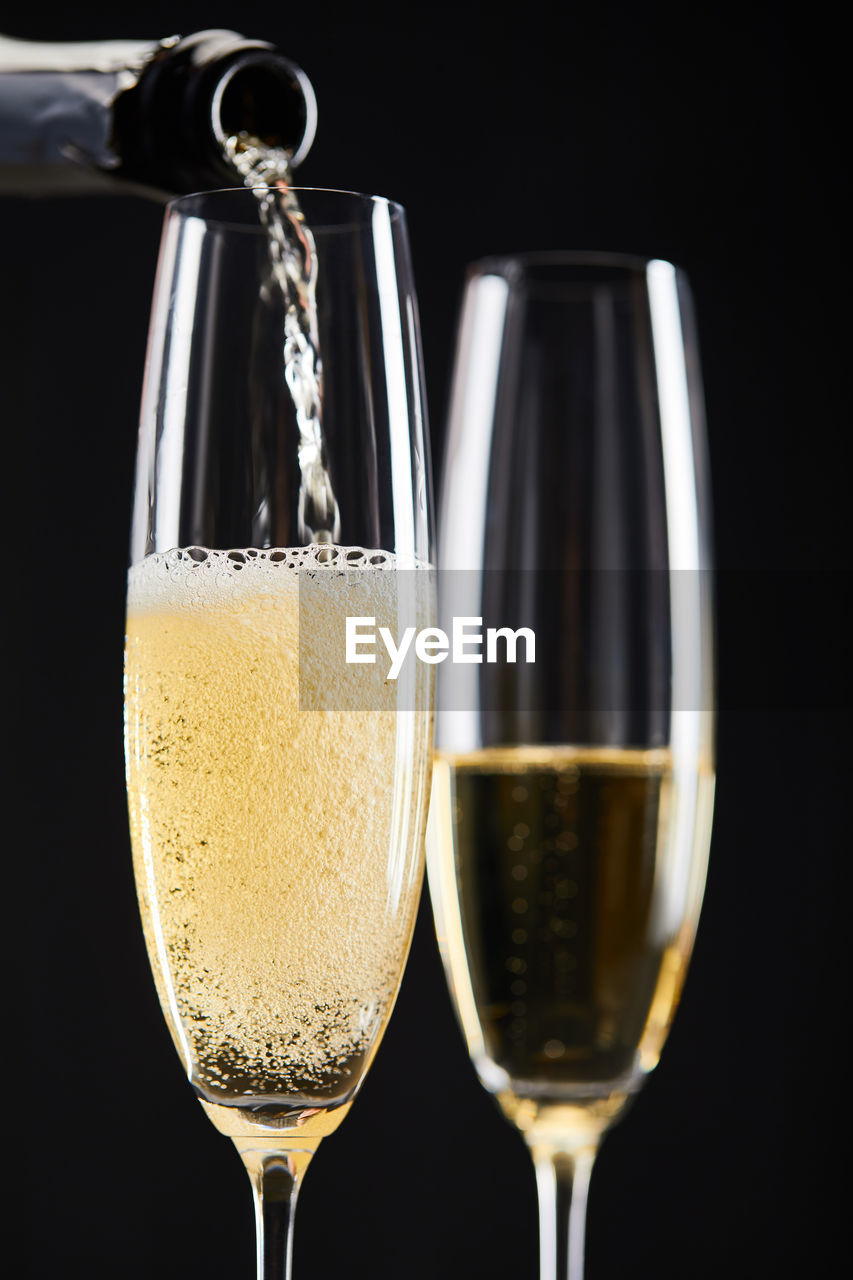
277 794
572 796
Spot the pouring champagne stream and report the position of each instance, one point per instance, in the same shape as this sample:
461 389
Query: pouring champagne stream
294 265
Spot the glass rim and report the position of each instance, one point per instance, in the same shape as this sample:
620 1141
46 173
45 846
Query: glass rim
511 264
178 206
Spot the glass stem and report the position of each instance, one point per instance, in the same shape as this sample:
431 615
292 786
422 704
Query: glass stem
276 1176
562 1184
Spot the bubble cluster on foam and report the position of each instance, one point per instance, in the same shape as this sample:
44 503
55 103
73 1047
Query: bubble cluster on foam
315 556
152 581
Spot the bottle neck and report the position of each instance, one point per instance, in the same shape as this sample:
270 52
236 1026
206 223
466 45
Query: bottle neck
57 101
151 113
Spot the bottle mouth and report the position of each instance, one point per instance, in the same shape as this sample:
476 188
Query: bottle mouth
269 97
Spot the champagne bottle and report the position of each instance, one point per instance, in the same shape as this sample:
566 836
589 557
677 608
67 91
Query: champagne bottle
154 114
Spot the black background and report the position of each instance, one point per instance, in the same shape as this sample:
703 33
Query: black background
705 134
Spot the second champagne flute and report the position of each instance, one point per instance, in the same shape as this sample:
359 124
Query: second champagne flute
573 782
277 794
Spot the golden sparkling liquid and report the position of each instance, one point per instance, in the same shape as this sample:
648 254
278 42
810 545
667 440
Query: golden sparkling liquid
277 851
545 863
